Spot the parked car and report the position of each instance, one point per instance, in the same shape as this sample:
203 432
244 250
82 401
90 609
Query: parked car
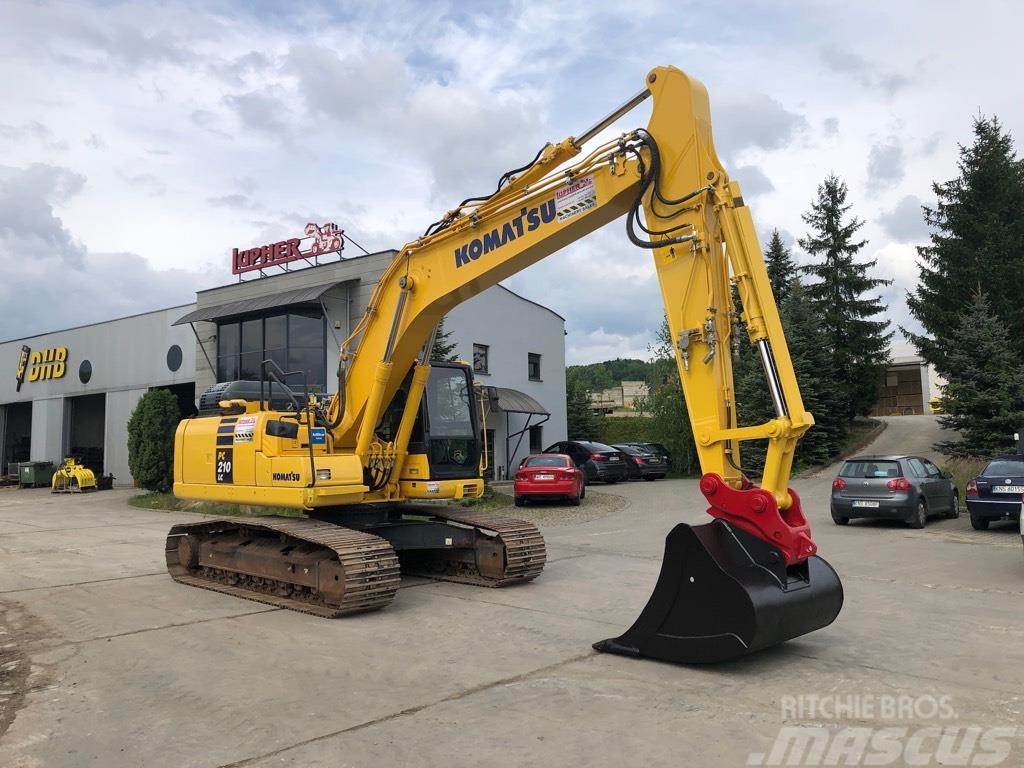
549 476
597 460
657 448
909 488
996 493
642 463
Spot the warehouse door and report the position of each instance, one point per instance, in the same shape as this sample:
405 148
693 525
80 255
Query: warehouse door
17 434
86 422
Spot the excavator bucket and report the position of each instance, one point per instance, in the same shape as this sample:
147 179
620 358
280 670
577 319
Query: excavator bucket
724 593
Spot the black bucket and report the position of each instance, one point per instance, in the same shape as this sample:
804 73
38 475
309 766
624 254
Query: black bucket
723 593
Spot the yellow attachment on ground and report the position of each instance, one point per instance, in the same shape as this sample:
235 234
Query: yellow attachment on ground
72 477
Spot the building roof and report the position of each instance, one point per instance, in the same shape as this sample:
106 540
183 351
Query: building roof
257 304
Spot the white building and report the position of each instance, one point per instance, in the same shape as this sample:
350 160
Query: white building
519 347
78 386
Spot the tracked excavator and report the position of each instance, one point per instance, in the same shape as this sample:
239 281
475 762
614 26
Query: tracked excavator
368 465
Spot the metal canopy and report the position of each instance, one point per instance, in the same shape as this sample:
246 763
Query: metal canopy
514 401
257 304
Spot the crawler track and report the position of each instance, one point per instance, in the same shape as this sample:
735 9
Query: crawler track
304 565
517 553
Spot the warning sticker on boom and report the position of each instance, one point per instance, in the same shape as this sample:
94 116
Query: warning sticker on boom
576 198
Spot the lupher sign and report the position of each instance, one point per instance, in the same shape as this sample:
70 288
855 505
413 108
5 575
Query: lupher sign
41 365
326 239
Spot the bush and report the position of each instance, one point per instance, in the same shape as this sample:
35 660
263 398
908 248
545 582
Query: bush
151 440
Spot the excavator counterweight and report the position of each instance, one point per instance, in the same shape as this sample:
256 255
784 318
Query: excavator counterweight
403 429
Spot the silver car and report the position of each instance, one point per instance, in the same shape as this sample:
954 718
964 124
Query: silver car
908 488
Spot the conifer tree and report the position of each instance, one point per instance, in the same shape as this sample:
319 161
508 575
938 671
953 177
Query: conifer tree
983 398
840 300
782 269
444 348
977 240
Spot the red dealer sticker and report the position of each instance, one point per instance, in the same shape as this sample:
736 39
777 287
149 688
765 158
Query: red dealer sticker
576 198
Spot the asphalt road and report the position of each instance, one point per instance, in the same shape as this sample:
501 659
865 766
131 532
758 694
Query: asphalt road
127 668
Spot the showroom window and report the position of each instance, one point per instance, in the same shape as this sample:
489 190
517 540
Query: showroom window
480 352
533 366
296 341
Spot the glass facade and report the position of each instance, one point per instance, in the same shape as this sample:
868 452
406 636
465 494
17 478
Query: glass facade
296 341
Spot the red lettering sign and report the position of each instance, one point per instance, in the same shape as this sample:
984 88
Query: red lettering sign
325 239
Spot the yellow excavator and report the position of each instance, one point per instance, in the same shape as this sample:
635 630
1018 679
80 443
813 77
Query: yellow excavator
401 430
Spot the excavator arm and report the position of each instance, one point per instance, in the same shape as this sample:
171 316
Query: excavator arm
702 238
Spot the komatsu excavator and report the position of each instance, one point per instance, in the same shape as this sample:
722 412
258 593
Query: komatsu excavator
402 430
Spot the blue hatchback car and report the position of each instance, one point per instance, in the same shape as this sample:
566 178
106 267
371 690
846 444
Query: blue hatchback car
996 493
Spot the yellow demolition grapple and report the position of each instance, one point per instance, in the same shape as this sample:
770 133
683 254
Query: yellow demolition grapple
72 477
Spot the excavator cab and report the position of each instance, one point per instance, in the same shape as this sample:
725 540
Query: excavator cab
445 444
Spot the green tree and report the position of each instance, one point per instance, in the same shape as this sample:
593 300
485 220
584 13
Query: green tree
444 348
582 422
983 398
977 239
666 404
858 343
151 440
782 269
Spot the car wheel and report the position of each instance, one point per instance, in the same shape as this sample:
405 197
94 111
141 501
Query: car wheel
840 520
520 501
920 516
574 501
979 523
954 507
583 491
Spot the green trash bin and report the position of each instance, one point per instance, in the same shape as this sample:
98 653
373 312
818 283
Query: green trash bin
35 474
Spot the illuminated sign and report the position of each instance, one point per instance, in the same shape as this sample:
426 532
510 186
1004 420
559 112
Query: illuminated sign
42 365
325 239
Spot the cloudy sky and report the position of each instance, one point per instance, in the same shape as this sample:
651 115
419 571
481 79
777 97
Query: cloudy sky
140 142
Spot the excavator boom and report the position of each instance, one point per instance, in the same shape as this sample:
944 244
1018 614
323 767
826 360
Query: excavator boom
748 579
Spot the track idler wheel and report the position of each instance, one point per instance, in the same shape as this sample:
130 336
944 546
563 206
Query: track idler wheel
723 593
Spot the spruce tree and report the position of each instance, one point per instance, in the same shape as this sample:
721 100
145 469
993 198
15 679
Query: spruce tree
859 344
444 348
983 398
581 421
782 270
977 239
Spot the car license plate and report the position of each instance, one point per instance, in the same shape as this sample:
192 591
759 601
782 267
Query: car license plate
614 458
863 503
1008 489
544 477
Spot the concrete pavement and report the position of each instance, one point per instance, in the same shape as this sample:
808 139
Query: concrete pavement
130 669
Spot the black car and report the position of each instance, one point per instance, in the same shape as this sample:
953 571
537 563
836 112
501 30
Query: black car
656 448
642 463
996 493
908 488
597 460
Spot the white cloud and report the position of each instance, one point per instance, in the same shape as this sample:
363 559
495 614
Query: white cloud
176 131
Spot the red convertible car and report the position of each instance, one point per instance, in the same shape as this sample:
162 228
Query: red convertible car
549 476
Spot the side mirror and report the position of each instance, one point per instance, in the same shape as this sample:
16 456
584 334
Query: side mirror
947 474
